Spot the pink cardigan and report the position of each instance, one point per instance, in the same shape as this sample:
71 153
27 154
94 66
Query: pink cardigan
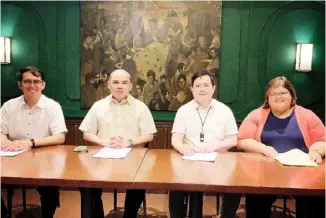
312 129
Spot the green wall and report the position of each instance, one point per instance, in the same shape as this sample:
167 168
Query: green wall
258 43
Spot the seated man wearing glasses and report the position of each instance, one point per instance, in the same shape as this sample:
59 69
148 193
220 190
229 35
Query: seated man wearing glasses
203 125
33 120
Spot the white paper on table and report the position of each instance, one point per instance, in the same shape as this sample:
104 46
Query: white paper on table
201 156
11 153
295 157
112 153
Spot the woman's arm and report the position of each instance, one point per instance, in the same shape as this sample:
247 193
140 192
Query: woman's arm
251 145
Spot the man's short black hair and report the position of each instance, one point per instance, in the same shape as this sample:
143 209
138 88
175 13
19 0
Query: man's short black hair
203 73
33 70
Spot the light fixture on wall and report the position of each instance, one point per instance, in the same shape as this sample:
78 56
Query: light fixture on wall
5 50
304 57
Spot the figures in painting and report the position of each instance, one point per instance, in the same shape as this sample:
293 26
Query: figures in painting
160 47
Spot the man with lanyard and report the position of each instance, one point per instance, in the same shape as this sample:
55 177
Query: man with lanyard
119 121
31 121
212 128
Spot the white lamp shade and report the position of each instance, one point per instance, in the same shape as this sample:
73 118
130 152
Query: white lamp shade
304 57
5 49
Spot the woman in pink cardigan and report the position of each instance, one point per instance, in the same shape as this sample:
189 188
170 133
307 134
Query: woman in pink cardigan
279 126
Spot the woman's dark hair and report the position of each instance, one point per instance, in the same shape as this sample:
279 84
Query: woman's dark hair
283 82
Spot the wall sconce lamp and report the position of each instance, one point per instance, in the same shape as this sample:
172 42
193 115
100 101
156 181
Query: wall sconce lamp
5 50
303 57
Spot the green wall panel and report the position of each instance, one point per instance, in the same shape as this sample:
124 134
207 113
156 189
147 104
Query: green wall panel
281 52
23 30
257 43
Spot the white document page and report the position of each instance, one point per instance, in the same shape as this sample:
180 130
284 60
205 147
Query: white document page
295 157
114 153
201 156
198 156
11 153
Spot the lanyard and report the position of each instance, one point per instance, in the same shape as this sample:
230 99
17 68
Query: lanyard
201 137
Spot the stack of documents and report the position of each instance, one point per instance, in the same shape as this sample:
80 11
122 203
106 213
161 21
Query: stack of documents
114 153
11 153
201 156
295 157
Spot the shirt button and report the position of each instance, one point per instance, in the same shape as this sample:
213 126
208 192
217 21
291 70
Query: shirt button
29 124
27 134
30 113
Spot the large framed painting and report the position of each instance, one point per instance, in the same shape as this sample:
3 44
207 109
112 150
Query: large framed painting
160 43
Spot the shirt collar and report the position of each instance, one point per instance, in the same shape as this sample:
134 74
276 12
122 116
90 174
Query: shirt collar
40 103
128 101
196 105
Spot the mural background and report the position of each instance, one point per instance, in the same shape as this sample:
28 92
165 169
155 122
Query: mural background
161 44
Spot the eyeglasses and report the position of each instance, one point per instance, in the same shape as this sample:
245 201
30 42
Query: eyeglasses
34 82
282 94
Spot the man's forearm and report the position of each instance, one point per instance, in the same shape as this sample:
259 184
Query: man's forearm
227 143
177 143
90 137
57 139
4 139
251 145
140 141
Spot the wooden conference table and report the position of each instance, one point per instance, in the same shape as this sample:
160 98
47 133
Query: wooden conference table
234 172
61 166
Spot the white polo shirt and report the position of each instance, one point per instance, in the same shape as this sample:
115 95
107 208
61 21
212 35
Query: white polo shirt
219 123
108 118
20 122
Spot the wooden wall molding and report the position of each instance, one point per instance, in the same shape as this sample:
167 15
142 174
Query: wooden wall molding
162 139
